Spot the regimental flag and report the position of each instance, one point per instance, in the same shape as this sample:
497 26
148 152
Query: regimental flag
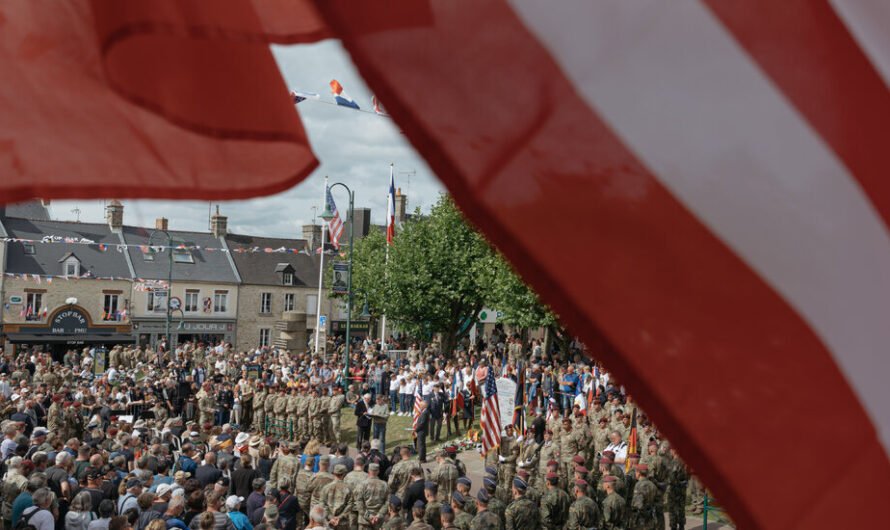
457 395
418 397
633 440
391 209
335 225
490 419
519 401
341 97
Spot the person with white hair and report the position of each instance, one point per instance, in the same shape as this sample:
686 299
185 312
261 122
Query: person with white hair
13 484
317 518
363 420
42 516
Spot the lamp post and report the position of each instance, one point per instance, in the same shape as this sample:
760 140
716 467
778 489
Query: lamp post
169 283
327 215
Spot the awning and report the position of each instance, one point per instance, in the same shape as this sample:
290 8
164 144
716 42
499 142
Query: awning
87 338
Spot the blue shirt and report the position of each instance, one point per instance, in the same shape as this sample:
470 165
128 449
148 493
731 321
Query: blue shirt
187 464
570 389
240 521
314 463
24 500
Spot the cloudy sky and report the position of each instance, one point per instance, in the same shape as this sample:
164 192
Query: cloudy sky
353 147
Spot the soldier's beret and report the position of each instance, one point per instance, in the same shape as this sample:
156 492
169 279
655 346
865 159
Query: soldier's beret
552 476
491 470
340 469
548 431
374 466
609 454
582 470
520 484
432 486
523 474
465 481
578 459
419 504
642 467
458 498
581 483
605 461
483 496
446 508
609 478
395 501
489 482
451 449
653 442
552 463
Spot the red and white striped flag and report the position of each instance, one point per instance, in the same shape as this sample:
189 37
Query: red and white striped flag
726 161
335 225
490 419
418 397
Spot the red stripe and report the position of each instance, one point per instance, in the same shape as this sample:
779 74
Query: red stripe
717 358
809 54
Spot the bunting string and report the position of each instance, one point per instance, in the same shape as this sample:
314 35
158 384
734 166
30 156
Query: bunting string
147 249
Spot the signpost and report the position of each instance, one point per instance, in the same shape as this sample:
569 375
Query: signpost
322 334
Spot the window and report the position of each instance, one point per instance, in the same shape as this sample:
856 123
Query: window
148 254
311 304
266 303
289 302
191 300
288 278
34 306
29 248
157 300
182 255
149 300
109 307
265 336
220 301
72 268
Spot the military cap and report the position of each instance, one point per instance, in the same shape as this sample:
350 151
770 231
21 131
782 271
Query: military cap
340 469
465 481
491 470
605 461
609 478
430 485
653 442
581 469
642 467
578 459
395 502
552 476
523 474
373 466
325 458
483 496
458 498
271 513
451 450
489 482
446 508
581 483
609 454
520 484
419 504
552 463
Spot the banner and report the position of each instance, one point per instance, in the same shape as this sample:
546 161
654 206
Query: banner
506 400
340 285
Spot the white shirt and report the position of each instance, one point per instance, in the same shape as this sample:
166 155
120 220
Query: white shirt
620 450
427 388
41 521
410 386
394 383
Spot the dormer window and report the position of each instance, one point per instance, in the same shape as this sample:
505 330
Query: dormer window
288 278
29 248
287 274
182 255
70 266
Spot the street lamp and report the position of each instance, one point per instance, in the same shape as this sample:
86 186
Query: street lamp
327 215
169 283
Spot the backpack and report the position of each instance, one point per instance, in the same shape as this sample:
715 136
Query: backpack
24 522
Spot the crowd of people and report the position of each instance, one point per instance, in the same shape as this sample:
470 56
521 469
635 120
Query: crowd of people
205 437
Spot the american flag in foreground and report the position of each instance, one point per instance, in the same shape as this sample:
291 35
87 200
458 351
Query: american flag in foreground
335 225
418 397
490 420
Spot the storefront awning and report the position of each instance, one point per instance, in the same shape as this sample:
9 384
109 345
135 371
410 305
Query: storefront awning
87 338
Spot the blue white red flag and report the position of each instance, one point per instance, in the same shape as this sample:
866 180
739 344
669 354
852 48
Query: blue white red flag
391 209
341 97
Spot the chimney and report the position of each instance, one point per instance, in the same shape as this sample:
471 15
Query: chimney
161 223
401 206
312 234
114 214
218 224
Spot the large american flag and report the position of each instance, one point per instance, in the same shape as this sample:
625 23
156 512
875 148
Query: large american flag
418 397
335 225
491 415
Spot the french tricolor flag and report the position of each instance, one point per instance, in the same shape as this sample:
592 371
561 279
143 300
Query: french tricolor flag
391 209
341 97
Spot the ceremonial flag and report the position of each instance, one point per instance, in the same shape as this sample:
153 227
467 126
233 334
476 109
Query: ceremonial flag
728 172
519 400
378 109
341 97
391 209
335 225
490 420
633 442
418 398
457 396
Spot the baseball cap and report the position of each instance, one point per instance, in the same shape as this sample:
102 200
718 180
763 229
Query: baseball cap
232 501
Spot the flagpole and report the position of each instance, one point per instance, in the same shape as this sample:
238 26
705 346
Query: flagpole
386 262
324 223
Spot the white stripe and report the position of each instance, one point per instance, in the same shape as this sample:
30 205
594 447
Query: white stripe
869 23
693 106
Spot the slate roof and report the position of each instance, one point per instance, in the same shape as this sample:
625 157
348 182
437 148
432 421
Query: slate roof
259 268
47 257
208 266
34 210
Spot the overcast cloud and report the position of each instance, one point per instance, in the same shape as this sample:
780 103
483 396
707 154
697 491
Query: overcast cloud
353 147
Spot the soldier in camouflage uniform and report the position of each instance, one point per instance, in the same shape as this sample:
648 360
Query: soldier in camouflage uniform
417 513
206 404
521 514
445 476
509 454
462 519
324 414
584 512
400 474
320 480
286 466
630 480
370 496
485 519
569 445
529 453
495 505
315 425
336 498
431 511
303 414
677 478
394 518
614 513
281 413
269 409
355 477
259 411
302 491
546 453
463 487
554 505
55 415
643 505
290 410
530 493
338 401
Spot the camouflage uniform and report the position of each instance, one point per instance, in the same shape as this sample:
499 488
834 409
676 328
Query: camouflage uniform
396 522
336 498
285 467
462 520
678 478
486 520
280 413
371 498
529 453
546 453
325 434
303 493
445 476
522 514
269 411
554 509
334 407
643 507
316 485
315 417
303 415
509 449
259 412
569 446
499 508
400 475
613 512
354 478
433 514
291 411
583 513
